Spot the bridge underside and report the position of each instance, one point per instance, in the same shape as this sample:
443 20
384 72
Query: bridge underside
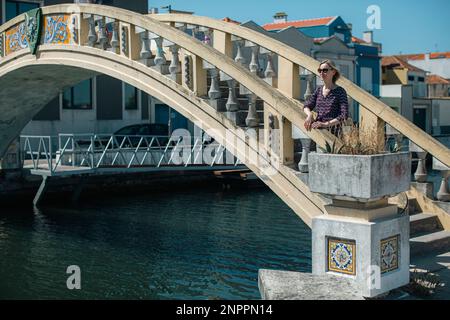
27 90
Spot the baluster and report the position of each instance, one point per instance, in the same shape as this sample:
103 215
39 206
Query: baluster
159 59
272 137
421 172
187 64
239 56
194 32
103 37
306 146
309 85
252 119
443 193
207 37
145 46
398 141
270 71
254 63
115 44
398 137
92 35
74 29
232 104
174 67
124 40
214 90
1 46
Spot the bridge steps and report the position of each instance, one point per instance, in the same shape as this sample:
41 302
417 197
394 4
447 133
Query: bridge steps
427 235
424 223
432 242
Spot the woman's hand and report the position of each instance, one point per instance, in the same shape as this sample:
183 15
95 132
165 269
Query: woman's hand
319 124
308 122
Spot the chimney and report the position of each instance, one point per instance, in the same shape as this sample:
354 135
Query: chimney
368 36
350 27
153 10
280 17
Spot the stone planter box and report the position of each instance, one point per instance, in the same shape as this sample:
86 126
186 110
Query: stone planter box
359 177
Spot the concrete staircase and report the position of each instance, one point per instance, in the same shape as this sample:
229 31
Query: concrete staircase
426 232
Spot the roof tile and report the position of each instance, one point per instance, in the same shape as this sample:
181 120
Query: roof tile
298 23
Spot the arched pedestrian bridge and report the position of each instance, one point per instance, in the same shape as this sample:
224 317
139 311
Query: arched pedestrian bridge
206 81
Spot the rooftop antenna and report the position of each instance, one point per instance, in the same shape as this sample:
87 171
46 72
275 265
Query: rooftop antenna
169 7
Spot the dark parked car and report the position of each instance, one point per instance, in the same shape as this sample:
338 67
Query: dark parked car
132 135
161 131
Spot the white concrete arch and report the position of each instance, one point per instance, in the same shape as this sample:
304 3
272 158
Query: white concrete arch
54 68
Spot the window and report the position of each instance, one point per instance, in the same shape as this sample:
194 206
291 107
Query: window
421 79
14 8
79 96
130 94
410 78
366 79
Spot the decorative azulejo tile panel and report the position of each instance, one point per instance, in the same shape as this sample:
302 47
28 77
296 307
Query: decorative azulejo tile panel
16 39
57 29
389 252
342 256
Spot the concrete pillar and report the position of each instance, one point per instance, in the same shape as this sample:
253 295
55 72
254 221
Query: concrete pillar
200 87
367 244
12 158
289 84
222 42
361 236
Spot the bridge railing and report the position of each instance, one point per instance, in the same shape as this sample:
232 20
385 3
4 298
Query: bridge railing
230 39
183 59
96 151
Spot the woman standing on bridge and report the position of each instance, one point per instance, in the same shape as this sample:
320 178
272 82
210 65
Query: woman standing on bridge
329 101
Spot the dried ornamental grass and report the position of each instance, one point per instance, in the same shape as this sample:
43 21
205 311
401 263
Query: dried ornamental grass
357 141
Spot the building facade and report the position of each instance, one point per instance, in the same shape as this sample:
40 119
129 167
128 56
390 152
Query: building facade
405 90
437 63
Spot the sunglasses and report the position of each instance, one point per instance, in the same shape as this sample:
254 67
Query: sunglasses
325 70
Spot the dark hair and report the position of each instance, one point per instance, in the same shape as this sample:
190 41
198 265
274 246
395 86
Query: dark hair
331 64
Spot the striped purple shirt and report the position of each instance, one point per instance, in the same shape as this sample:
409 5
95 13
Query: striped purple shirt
333 106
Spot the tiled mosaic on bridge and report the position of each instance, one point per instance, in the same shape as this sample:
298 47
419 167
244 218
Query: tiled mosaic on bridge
16 38
389 254
342 256
57 29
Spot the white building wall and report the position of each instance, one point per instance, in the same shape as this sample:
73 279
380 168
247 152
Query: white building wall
391 90
440 67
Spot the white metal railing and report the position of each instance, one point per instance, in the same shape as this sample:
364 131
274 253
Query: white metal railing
96 151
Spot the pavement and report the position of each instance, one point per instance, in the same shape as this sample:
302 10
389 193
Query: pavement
437 265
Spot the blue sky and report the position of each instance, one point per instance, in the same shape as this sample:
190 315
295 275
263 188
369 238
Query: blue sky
407 26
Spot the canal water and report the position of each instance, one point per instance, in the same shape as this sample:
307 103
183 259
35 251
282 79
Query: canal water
204 243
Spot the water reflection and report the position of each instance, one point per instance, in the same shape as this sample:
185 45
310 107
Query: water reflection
199 244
